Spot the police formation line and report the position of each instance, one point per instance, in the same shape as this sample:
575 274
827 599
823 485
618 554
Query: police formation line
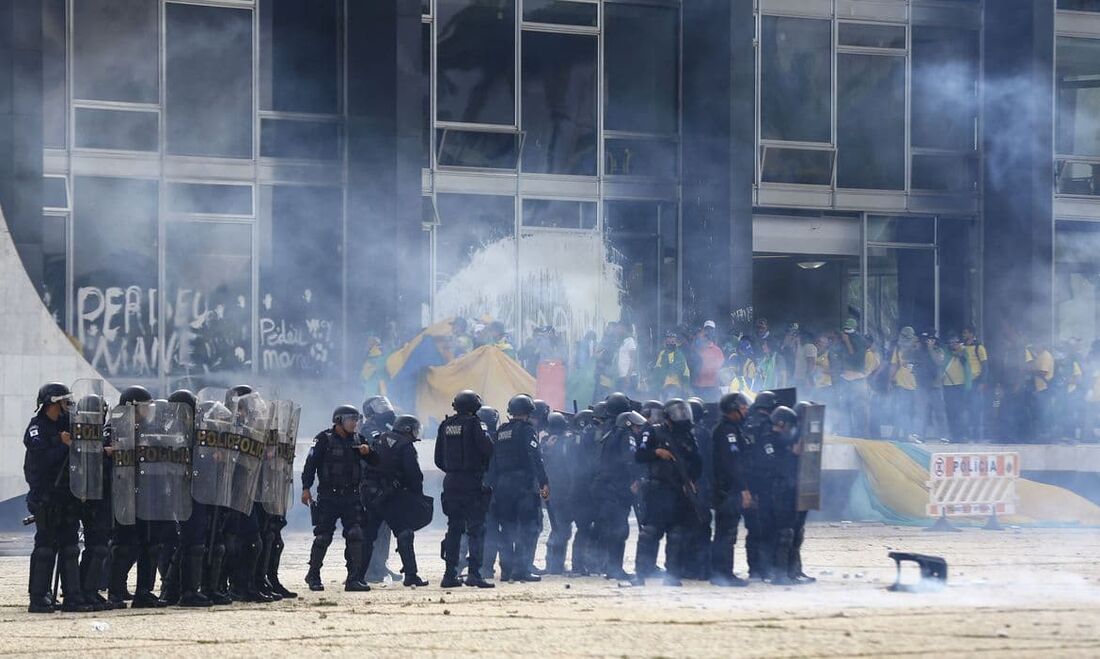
178 487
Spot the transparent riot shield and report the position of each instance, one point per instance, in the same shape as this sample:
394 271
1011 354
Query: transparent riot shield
211 395
163 438
811 431
277 472
247 443
86 419
124 459
212 459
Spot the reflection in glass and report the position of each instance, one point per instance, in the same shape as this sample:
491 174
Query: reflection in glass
1079 5
476 65
641 157
559 103
642 82
115 274
115 50
945 88
1078 80
299 56
796 79
54 94
55 266
1077 278
209 199
808 166
871 35
209 81
1078 178
561 11
54 192
940 173
208 273
555 214
304 140
426 93
870 122
116 129
482 149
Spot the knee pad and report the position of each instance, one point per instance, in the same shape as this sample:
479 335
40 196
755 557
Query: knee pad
354 534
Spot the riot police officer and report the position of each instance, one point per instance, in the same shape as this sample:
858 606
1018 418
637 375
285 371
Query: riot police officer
187 563
698 549
335 462
46 469
491 418
378 418
586 555
517 478
89 456
462 452
757 466
392 493
672 459
731 495
615 481
559 455
785 518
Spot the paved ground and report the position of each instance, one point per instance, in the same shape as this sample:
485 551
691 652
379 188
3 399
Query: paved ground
1017 593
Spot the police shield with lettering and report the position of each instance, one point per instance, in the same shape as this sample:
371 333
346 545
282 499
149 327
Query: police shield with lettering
86 421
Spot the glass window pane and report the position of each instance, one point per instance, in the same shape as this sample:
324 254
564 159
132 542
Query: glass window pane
796 79
548 214
209 81
1078 77
649 158
301 287
867 35
308 140
115 274
870 122
54 93
559 103
642 83
54 192
1079 5
560 11
459 148
915 230
125 130
814 167
1078 178
945 173
55 262
299 56
945 88
476 61
426 93
208 274
476 257
116 50
208 199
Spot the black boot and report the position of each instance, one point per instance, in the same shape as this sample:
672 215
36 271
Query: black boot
91 574
69 567
170 579
122 559
212 577
474 579
273 572
262 568
244 576
353 559
43 560
146 579
781 558
316 560
408 560
191 560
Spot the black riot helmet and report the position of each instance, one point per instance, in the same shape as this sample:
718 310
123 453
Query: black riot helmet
542 410
583 419
53 392
407 424
599 412
376 405
679 413
629 419
466 402
733 402
698 410
186 397
784 415
765 401
556 423
91 404
234 393
654 411
521 405
134 394
343 413
617 403
489 416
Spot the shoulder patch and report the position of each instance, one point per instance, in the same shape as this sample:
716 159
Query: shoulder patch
484 427
534 443
731 438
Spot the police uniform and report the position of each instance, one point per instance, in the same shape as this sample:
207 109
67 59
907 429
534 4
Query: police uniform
516 473
586 554
96 520
615 474
560 454
335 462
785 519
374 563
667 509
396 473
462 452
758 467
729 482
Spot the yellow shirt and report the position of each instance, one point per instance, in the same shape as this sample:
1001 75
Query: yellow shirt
822 378
1076 379
1044 363
904 378
744 381
871 362
977 357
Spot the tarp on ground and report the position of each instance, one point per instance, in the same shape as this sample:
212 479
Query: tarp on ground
894 486
486 370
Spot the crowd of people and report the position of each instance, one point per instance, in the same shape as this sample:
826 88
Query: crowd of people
206 509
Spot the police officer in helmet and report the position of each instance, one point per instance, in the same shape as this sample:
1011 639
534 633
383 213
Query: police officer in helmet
757 466
46 468
613 487
462 452
378 417
335 462
391 487
731 494
559 454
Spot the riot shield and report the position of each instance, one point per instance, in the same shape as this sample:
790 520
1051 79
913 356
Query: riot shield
163 438
212 459
211 395
247 443
277 471
123 472
86 421
811 430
